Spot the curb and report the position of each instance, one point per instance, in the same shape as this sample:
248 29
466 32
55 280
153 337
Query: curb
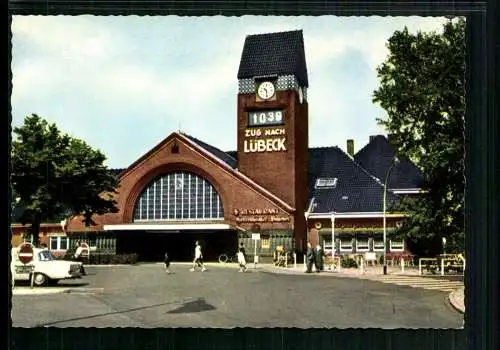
55 290
451 298
159 263
39 291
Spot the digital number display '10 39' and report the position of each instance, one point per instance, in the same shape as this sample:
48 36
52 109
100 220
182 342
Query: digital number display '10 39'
260 118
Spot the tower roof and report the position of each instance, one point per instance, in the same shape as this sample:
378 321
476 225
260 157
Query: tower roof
280 53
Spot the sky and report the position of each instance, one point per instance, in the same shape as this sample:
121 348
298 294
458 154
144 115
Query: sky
124 83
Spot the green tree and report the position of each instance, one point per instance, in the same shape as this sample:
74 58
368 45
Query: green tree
55 176
422 90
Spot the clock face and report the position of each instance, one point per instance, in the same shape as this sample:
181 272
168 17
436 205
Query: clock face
266 90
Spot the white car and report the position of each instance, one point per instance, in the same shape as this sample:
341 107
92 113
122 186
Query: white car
45 267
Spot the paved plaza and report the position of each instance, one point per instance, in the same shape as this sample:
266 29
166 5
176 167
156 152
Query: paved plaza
145 296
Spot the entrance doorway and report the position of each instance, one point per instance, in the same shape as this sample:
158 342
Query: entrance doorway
152 245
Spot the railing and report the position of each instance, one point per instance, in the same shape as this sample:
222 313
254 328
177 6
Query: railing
394 258
442 264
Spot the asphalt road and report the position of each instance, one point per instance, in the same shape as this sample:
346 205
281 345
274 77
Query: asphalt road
144 296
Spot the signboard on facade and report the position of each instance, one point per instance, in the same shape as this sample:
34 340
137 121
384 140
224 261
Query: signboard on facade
259 215
256 236
370 256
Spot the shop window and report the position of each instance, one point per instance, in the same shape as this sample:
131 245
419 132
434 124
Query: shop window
346 245
396 246
362 245
378 245
265 243
59 243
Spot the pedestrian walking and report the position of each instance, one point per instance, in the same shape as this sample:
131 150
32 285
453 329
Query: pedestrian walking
242 260
309 257
166 262
78 257
198 258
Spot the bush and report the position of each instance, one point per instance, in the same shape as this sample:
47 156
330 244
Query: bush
347 262
105 259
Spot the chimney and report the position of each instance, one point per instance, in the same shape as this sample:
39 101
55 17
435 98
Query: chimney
350 147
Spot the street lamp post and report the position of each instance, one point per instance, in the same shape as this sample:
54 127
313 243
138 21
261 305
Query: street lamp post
384 205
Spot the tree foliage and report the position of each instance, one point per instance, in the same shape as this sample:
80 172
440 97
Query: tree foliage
55 176
422 90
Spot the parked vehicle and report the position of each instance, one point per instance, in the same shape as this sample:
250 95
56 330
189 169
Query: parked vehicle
45 267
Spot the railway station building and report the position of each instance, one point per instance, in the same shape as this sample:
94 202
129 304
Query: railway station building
274 184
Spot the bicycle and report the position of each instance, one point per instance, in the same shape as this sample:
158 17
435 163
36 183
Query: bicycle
226 259
283 259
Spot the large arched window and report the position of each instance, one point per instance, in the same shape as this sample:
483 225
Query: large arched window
179 196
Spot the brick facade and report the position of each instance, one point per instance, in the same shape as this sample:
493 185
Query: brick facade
284 173
19 233
237 192
269 189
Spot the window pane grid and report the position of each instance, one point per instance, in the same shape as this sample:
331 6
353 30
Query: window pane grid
179 196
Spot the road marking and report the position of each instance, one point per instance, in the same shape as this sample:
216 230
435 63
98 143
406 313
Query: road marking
76 290
418 282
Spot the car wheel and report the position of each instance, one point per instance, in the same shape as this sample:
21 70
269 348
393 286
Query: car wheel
40 279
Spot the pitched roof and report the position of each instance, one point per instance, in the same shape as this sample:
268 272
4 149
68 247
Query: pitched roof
225 157
117 171
355 191
377 156
280 53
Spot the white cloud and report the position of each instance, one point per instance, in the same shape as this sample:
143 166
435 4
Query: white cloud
107 70
64 36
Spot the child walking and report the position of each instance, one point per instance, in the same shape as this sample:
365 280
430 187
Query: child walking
166 263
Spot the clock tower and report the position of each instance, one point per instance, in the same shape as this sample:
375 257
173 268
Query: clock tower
272 122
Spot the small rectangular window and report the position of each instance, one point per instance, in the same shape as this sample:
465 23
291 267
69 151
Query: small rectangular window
378 245
362 245
397 246
346 245
53 243
327 246
63 243
326 182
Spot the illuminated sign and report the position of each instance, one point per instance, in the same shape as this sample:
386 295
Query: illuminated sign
264 118
267 144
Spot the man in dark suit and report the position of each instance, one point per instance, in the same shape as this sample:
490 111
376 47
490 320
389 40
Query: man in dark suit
309 257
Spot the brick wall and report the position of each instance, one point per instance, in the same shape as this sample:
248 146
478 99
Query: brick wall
46 231
236 191
284 173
